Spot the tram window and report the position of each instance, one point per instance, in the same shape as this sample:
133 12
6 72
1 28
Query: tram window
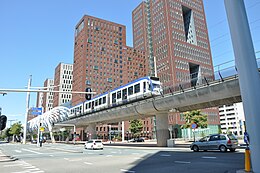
137 88
104 100
100 101
89 105
118 95
96 102
130 90
124 94
113 97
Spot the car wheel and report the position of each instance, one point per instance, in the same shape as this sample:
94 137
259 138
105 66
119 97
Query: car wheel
232 149
195 148
222 148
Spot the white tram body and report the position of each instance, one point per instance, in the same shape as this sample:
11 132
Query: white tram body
136 90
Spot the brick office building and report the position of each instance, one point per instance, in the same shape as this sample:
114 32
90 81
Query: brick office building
174 35
102 61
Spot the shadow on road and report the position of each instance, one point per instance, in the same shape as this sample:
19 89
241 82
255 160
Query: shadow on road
186 162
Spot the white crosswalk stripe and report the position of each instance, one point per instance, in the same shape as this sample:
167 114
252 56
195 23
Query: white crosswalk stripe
23 166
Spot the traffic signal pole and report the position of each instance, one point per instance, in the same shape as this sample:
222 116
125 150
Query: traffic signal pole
27 109
249 79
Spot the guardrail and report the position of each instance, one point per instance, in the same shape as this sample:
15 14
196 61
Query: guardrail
222 72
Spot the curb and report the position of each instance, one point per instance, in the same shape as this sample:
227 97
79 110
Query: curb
4 158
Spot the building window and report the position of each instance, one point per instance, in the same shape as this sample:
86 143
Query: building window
109 80
88 82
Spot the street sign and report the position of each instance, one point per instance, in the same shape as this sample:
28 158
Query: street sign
42 129
246 138
193 125
36 111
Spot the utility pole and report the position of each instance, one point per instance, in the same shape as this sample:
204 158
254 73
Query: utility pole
27 109
248 74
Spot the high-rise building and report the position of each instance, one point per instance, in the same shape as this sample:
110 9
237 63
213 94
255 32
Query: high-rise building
98 56
63 82
101 58
47 102
174 35
232 118
39 101
103 61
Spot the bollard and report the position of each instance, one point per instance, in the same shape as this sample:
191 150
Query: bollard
247 160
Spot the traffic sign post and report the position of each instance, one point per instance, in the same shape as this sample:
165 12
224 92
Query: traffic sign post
194 126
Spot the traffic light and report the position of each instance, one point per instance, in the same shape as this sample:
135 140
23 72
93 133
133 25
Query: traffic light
88 96
3 120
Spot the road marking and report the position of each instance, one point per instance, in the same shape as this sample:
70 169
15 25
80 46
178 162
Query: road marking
13 165
36 169
30 167
18 151
182 162
109 155
51 155
124 170
165 155
136 153
88 163
209 157
32 151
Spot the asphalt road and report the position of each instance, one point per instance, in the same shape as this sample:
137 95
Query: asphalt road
56 158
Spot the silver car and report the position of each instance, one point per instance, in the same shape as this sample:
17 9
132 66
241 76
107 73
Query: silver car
220 142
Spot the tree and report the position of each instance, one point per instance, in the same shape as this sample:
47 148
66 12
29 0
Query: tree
16 130
197 117
136 127
5 134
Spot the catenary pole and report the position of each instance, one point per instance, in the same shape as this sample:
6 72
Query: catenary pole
27 109
249 78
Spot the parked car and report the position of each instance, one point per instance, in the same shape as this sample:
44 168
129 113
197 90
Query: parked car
94 144
34 141
220 142
137 140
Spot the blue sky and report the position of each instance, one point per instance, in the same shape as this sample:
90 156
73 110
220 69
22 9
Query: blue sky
35 36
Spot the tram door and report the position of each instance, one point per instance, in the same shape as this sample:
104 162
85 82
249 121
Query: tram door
124 94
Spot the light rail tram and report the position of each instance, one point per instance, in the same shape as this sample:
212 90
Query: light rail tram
138 89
